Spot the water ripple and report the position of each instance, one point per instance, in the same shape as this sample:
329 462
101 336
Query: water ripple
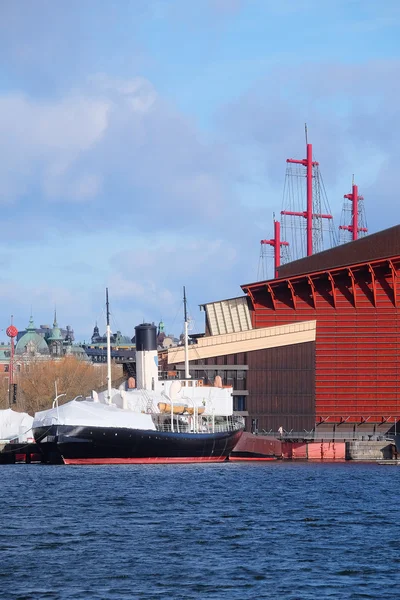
238 531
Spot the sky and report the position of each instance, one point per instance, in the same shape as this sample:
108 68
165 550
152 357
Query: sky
143 144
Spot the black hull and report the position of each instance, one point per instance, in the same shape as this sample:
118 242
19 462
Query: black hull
46 440
105 445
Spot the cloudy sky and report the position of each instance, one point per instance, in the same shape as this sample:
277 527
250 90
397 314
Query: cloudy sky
143 143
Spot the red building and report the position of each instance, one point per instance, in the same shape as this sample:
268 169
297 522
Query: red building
317 348
352 292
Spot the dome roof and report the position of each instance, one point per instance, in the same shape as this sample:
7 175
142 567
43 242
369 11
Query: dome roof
75 350
31 341
78 351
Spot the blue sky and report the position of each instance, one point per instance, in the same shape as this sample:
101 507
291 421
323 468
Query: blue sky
143 143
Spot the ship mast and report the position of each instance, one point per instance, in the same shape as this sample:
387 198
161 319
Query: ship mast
187 374
108 350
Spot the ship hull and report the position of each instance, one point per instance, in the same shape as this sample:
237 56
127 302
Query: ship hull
106 445
46 440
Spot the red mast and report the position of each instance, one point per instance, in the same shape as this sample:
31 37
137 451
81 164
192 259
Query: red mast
308 214
354 228
277 244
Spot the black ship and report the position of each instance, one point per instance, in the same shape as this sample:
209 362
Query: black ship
157 421
109 445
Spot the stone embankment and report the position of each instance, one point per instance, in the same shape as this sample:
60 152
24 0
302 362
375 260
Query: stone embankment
264 447
369 450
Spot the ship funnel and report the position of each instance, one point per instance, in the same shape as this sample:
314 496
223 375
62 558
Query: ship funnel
146 356
218 381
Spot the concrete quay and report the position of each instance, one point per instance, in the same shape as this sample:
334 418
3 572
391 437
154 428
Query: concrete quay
267 447
370 450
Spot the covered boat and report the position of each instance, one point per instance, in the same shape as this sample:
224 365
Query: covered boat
158 421
15 426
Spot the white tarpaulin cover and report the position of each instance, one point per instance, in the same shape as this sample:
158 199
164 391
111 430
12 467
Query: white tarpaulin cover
93 414
15 425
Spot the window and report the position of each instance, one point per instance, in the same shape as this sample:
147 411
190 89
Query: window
230 378
239 403
241 380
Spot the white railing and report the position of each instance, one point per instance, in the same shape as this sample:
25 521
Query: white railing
315 436
204 425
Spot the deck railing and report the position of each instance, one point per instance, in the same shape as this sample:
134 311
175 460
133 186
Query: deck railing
204 425
326 436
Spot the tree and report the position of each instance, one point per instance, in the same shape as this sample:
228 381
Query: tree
37 378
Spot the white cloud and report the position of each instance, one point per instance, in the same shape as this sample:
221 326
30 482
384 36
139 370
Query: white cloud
353 122
138 92
113 134
40 141
61 185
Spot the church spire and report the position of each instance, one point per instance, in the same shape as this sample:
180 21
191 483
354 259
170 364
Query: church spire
31 326
96 334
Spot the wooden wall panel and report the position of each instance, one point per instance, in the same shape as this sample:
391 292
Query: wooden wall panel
357 343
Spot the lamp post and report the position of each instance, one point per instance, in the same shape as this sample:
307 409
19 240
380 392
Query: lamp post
12 333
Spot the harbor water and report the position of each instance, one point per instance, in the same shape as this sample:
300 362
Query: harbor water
269 530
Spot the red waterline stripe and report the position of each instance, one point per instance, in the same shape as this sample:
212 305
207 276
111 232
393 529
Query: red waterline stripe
139 461
238 458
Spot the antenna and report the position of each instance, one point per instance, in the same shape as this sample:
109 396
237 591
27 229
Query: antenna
184 304
187 374
306 133
107 308
108 350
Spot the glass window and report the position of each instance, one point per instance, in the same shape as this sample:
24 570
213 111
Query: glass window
230 378
239 403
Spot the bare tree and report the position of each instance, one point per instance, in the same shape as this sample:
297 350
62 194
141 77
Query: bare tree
74 377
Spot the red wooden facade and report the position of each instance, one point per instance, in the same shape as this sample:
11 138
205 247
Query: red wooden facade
357 371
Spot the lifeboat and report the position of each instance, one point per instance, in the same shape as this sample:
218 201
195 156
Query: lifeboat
199 410
177 409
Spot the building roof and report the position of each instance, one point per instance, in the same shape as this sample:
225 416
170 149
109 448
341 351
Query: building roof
75 350
5 352
228 316
246 341
56 335
33 340
383 244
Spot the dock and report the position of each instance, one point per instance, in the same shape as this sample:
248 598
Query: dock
11 453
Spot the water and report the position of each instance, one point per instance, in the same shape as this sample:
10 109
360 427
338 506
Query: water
272 530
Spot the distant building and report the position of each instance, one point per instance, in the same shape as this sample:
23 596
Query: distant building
122 347
45 331
45 342
33 344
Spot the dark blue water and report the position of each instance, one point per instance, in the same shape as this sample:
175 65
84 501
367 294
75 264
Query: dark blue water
275 530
